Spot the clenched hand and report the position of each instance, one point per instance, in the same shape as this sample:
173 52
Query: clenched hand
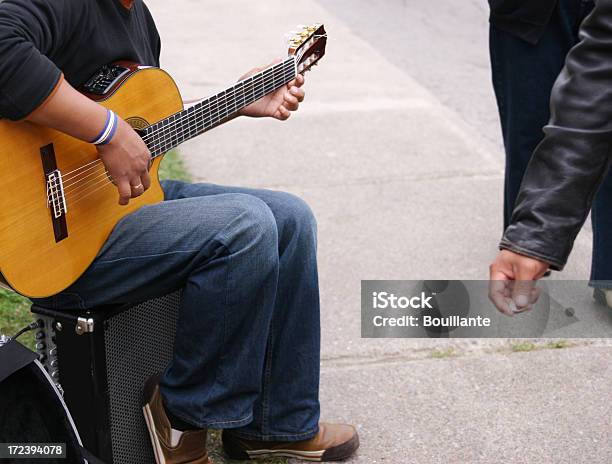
512 281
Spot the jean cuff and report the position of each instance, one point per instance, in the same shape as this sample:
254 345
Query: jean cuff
601 284
216 424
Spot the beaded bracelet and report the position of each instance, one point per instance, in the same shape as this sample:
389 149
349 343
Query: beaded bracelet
110 127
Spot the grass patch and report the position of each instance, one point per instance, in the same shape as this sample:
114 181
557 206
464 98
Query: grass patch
173 167
558 344
441 354
15 309
14 315
551 345
523 347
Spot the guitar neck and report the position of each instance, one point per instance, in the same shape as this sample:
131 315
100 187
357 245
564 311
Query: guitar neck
212 111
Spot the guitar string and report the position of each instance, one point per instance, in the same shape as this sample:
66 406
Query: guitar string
176 126
67 182
221 114
98 169
202 120
157 136
171 136
165 128
103 177
256 85
277 69
209 121
222 110
176 130
248 81
100 185
65 176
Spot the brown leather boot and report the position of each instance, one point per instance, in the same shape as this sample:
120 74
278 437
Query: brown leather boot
334 442
171 446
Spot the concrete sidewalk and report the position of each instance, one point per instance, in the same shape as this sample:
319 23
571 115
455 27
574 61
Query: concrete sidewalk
404 187
538 407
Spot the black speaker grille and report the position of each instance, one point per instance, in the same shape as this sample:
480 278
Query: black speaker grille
138 343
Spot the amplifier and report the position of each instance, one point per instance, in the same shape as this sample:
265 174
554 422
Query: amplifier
100 359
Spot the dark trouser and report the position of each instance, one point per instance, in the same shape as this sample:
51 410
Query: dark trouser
247 345
523 77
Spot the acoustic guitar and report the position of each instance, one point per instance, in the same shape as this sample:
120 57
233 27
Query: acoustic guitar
59 204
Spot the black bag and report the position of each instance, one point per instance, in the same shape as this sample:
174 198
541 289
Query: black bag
32 409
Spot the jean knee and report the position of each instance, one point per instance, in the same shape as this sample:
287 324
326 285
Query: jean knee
254 225
296 216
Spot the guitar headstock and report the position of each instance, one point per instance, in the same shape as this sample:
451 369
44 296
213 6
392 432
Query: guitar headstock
307 44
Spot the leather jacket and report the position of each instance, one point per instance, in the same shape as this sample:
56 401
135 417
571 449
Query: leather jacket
568 166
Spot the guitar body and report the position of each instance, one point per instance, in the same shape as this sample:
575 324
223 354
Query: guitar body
40 254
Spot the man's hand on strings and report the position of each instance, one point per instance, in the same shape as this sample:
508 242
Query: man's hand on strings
279 104
127 161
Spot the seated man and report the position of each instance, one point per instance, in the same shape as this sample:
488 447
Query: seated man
247 347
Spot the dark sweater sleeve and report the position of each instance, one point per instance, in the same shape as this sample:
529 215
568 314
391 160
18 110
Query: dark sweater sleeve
568 166
30 31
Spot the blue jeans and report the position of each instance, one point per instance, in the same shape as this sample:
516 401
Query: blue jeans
523 77
247 347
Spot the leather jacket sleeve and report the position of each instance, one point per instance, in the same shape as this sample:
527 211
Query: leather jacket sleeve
568 166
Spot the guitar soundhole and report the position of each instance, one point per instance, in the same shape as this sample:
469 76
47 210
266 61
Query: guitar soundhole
137 122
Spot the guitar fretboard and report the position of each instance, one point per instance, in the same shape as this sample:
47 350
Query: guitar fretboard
210 112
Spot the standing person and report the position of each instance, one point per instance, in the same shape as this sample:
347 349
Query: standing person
529 41
567 170
246 357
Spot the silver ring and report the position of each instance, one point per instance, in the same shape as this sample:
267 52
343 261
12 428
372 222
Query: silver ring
138 186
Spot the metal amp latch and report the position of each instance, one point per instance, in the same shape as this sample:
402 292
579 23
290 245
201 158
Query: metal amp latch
84 325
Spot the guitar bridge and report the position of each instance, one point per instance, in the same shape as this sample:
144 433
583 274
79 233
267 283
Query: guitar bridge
56 199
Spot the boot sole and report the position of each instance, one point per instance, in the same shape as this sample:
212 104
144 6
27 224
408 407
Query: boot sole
157 449
337 453
312 456
343 451
600 297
